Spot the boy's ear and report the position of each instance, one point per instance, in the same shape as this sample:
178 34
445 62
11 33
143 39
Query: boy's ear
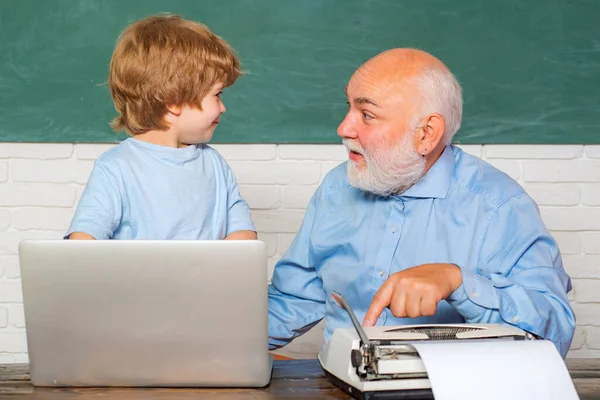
175 110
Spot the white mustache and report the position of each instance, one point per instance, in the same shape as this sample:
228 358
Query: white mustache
353 146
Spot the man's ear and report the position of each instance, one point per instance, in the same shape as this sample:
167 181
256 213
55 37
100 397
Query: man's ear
431 133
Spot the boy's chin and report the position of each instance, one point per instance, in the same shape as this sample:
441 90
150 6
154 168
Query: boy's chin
201 140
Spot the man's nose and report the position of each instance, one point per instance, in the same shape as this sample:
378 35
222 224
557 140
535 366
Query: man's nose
346 128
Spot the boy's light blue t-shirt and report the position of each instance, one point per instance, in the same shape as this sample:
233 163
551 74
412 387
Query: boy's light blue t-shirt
139 190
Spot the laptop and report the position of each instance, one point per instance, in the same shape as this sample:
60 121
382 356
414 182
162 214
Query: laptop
150 313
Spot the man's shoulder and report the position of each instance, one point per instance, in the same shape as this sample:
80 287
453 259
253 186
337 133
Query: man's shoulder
478 177
335 180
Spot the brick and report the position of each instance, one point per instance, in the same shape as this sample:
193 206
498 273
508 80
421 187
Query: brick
591 242
587 314
554 194
509 167
285 241
7 358
271 241
578 338
571 218
53 171
3 317
524 152
34 194
54 219
17 316
11 266
561 171
244 152
278 173
4 219
46 151
317 152
472 149
91 151
297 197
284 221
13 342
9 241
587 291
3 171
590 194
261 197
568 242
582 266
592 151
79 191
592 337
10 291
571 293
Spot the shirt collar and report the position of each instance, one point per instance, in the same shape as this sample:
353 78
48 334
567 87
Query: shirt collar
436 182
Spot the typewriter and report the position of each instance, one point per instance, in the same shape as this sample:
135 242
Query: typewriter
380 362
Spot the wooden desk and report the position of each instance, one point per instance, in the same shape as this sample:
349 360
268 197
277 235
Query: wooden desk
297 379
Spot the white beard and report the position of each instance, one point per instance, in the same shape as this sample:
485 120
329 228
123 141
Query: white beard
387 171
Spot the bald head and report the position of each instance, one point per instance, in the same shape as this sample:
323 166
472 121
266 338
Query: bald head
424 82
398 64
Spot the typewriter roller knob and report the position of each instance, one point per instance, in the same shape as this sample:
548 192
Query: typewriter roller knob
356 358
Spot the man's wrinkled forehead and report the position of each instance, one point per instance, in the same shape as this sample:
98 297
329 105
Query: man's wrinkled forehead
378 85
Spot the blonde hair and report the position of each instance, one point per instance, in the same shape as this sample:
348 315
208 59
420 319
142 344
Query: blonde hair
164 61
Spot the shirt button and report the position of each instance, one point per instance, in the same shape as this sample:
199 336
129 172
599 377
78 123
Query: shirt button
393 229
515 319
475 294
381 273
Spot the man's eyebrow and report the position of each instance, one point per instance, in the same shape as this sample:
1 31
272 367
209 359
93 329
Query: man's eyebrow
362 100
365 100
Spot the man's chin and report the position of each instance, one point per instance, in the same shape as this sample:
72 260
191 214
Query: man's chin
357 165
357 176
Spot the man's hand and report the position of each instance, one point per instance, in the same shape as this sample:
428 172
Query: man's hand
415 291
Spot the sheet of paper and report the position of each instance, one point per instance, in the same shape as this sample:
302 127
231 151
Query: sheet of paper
496 370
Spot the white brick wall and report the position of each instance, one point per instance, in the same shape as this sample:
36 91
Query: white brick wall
41 183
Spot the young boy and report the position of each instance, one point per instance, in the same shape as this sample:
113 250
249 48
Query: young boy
166 77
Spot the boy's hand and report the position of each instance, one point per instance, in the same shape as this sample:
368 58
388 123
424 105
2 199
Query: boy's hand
81 236
242 235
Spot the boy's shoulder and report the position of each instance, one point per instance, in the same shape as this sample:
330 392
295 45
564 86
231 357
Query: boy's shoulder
209 151
213 154
113 154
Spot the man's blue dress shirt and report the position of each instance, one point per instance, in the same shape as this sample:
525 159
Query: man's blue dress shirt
463 212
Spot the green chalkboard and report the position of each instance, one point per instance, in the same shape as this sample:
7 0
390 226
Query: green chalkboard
530 69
